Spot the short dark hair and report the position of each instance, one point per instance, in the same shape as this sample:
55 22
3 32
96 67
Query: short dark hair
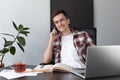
59 11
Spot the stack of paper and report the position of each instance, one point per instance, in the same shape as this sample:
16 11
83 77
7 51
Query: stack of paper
11 74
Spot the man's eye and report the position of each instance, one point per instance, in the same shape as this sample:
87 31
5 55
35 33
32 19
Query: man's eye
62 19
56 22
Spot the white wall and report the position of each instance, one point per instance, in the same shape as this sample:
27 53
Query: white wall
34 14
107 21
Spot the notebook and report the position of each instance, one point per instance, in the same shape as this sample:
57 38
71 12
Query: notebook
102 61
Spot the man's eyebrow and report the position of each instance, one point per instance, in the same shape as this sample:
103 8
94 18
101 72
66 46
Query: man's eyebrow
55 21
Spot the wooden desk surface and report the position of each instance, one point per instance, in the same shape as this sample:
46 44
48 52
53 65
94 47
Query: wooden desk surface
46 76
56 76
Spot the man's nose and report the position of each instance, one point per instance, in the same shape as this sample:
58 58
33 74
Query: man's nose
59 23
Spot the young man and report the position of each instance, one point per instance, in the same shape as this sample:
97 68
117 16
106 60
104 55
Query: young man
69 46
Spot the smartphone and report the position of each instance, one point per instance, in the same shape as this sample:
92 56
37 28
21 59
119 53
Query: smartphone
57 30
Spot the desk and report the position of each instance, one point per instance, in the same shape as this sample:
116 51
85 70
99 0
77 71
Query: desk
55 76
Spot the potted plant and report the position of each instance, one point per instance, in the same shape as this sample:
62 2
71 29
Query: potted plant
8 46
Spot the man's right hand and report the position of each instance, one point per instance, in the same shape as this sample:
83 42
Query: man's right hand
53 35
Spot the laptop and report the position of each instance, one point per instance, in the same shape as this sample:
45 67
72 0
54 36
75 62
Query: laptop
102 61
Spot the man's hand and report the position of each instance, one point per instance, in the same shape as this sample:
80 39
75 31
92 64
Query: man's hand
53 35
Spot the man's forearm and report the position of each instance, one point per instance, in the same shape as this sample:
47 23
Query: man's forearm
48 53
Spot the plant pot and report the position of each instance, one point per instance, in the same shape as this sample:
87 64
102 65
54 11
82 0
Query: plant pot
2 65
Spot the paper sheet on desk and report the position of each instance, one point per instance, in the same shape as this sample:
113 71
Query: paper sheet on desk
11 74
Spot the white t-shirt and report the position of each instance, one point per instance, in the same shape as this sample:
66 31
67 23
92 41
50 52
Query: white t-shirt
69 54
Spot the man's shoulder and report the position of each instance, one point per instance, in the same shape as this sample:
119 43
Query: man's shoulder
78 32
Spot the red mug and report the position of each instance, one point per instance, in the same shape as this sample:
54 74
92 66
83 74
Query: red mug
19 67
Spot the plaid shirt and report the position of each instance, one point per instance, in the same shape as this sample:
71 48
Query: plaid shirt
81 41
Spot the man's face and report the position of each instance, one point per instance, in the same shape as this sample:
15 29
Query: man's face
61 22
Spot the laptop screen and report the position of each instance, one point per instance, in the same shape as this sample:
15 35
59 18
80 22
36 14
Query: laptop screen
103 61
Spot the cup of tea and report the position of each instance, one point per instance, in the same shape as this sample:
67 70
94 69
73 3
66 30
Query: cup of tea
19 67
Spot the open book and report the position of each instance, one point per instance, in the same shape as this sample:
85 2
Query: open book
50 68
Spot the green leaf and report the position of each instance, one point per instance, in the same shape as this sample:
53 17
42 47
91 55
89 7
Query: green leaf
20 46
26 28
4 39
8 43
21 40
20 28
7 34
12 50
5 50
15 26
25 32
0 51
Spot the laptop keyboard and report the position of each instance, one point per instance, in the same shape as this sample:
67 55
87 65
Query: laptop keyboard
79 71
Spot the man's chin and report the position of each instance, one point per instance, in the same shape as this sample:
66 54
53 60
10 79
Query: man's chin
61 30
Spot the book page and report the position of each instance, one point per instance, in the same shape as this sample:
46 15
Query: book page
43 68
62 67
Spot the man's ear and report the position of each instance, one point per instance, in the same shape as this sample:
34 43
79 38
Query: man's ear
68 21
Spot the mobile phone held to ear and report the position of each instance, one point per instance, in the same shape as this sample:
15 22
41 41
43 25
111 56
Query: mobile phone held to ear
57 30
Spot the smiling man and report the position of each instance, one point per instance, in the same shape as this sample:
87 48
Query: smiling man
68 46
